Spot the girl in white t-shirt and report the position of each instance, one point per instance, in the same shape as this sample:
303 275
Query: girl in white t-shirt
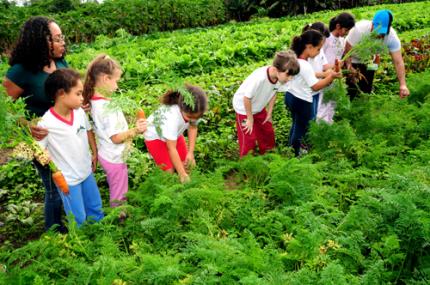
68 141
166 125
110 126
298 98
333 48
319 64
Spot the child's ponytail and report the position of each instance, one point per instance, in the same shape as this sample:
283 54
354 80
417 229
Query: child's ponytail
345 20
102 64
311 37
171 97
198 97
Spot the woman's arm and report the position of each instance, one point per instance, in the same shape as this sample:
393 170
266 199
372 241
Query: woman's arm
12 89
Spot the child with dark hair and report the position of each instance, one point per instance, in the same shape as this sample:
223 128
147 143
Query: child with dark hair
298 98
319 64
334 48
68 141
334 45
164 138
111 127
253 121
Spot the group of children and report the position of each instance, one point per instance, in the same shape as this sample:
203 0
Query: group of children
303 72
76 146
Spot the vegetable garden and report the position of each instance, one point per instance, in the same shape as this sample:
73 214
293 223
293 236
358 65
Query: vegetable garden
354 210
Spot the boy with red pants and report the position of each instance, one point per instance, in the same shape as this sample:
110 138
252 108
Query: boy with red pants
253 122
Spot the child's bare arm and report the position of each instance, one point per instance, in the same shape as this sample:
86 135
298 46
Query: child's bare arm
192 137
140 128
93 146
122 137
249 117
176 160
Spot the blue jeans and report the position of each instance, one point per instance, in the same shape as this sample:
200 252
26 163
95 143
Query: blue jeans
83 201
301 112
53 205
315 101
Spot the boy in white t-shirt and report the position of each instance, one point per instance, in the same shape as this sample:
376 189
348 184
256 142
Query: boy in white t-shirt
68 141
381 24
253 122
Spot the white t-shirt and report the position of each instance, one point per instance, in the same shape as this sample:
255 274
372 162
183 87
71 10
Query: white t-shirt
169 121
106 124
257 87
67 143
317 64
300 85
364 27
334 48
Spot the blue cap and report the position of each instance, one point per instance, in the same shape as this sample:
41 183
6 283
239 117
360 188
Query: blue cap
382 22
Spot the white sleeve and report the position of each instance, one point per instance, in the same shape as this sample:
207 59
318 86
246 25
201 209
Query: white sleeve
249 87
393 42
170 126
109 120
111 123
353 36
87 124
308 74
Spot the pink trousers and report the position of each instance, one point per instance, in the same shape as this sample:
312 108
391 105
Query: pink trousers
117 178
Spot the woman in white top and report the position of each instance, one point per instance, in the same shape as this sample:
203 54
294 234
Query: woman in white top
298 98
166 125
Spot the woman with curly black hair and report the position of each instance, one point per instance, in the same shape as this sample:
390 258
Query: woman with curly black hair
39 51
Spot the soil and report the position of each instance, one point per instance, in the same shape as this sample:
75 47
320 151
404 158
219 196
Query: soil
5 155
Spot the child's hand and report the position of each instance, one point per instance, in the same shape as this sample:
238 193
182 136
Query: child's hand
190 162
248 125
268 118
184 178
335 74
141 126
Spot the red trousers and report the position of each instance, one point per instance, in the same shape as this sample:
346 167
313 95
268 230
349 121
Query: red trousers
263 134
160 154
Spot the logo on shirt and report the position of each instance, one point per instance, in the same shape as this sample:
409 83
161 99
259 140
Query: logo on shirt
81 128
